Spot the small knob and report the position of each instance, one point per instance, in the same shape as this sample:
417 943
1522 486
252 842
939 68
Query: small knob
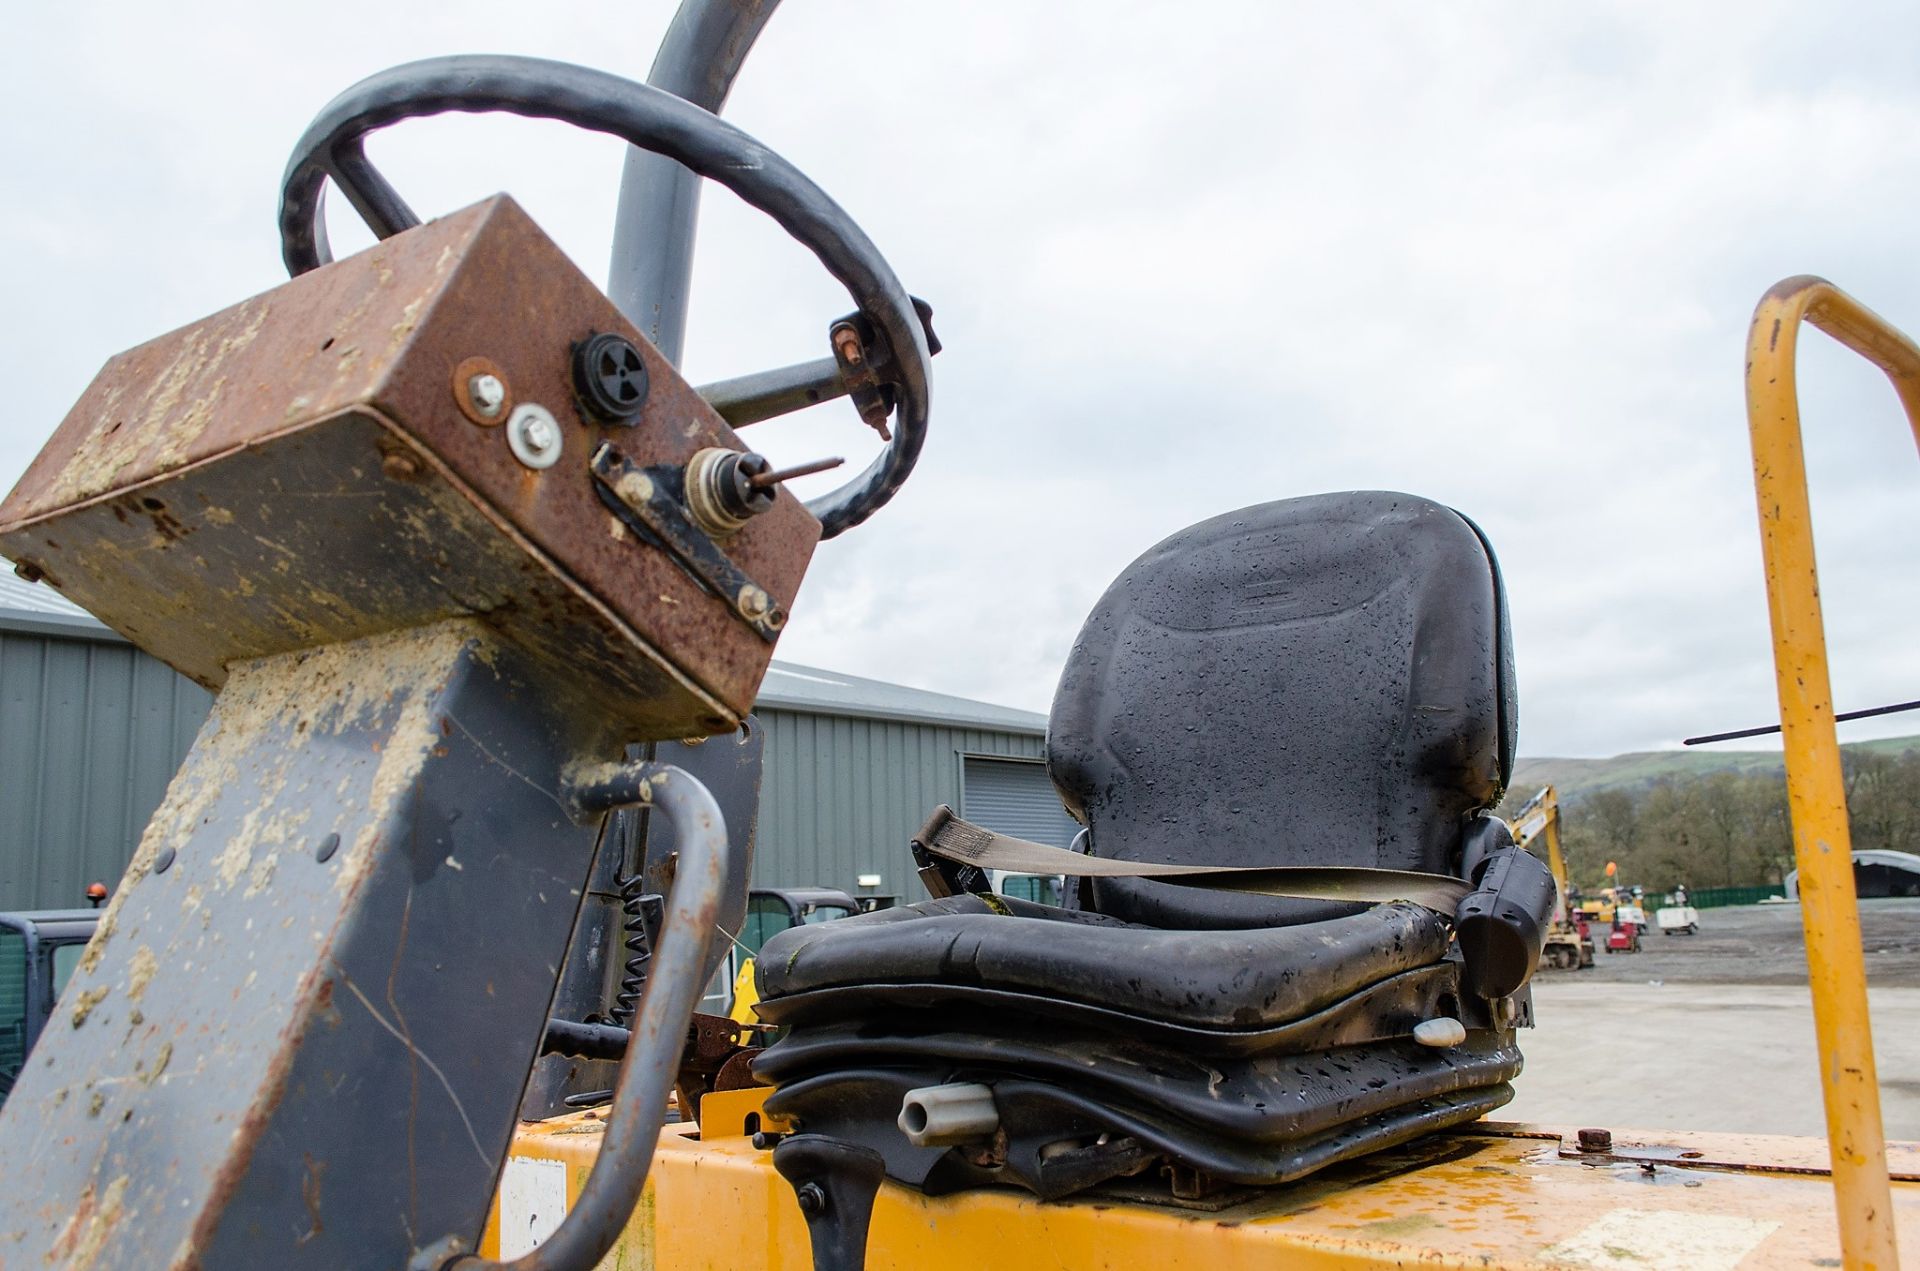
610 378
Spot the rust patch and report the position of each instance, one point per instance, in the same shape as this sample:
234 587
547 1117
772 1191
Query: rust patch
310 1179
99 1226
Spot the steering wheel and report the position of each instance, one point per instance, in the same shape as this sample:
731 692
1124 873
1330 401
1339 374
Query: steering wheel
651 119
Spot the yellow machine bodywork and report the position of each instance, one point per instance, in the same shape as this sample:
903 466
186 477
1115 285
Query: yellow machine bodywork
1598 909
1539 821
1494 1195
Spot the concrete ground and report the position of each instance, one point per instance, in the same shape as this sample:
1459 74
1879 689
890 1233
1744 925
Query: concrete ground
1715 1031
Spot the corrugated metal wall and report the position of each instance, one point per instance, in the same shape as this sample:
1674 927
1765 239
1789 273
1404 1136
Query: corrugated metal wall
90 733
842 796
91 730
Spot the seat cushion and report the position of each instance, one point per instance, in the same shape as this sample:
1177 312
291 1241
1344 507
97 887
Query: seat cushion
1234 980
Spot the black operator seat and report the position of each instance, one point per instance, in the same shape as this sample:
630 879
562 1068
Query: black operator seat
1322 681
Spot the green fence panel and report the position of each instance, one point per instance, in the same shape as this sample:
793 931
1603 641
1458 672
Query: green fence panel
1719 897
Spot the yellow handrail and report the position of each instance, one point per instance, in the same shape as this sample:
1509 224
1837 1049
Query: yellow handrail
1822 843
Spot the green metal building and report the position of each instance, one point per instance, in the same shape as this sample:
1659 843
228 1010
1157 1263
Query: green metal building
92 729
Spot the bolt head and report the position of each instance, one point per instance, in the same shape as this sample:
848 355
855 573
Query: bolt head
1596 1140
399 466
487 393
812 1199
534 436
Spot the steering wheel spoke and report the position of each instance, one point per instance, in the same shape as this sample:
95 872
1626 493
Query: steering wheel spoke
371 194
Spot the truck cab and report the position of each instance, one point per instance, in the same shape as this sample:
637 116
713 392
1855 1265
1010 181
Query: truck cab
772 910
38 952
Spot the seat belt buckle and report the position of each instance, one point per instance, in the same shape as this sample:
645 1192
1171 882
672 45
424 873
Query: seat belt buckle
940 876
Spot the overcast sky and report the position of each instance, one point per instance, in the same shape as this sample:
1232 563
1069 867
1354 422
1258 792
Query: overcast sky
1185 257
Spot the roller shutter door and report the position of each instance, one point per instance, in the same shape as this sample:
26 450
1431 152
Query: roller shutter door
1016 798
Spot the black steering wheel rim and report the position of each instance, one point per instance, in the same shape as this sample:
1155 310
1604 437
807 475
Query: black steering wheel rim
651 119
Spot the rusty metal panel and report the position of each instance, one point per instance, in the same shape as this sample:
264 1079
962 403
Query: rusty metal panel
306 452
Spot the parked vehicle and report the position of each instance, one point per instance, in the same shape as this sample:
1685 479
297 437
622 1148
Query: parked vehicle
1568 947
38 952
1677 920
769 912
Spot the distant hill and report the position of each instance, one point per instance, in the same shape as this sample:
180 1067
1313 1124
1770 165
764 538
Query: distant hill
1577 778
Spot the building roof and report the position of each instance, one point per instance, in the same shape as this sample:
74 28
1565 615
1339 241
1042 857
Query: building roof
1866 856
832 693
38 609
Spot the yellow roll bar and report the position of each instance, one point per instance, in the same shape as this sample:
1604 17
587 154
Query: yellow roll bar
1822 842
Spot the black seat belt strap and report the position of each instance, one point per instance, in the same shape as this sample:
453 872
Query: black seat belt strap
974 850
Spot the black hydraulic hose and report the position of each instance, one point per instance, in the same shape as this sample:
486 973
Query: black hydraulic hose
654 120
585 1041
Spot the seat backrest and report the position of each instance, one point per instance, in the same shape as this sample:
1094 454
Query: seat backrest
1317 681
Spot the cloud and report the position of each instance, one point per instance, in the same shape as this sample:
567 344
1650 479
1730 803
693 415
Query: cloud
1184 258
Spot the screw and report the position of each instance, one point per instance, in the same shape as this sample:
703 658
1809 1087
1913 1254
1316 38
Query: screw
755 603
766 1140
401 467
846 343
327 847
813 1201
539 434
163 861
487 394
1596 1140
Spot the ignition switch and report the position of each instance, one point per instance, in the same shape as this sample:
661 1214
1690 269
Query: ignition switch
721 493
728 488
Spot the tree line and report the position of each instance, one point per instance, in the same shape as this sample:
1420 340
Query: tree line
1725 829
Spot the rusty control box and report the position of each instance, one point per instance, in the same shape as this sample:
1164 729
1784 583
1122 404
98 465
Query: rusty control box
421 432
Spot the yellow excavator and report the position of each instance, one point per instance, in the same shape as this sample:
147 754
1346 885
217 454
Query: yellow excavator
403 973
1567 947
